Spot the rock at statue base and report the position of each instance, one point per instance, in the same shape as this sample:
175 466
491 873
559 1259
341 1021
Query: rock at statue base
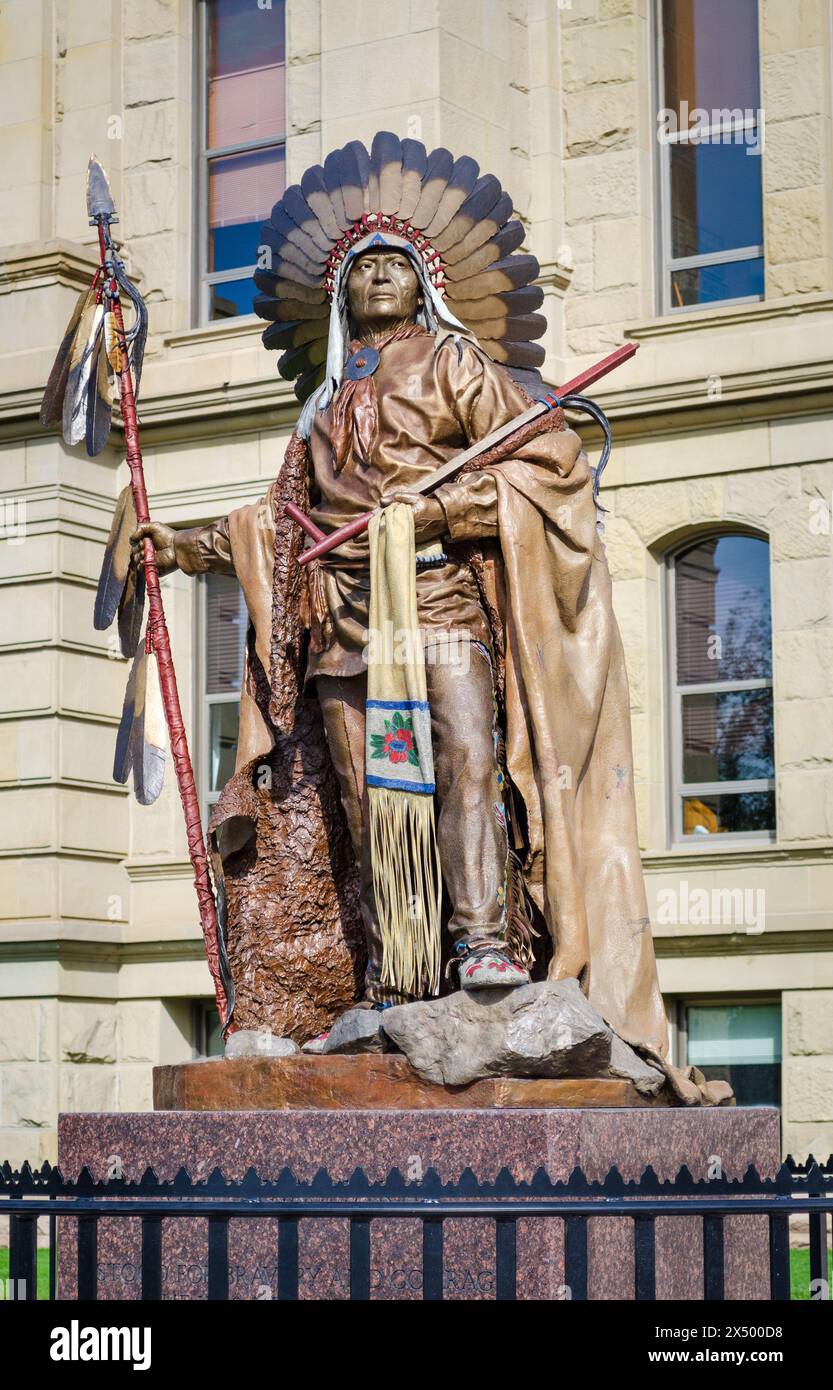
249 1042
359 1030
546 1029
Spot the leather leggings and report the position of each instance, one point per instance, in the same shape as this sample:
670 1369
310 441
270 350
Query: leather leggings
471 830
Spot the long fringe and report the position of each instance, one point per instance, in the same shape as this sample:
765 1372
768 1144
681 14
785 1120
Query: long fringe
519 931
406 883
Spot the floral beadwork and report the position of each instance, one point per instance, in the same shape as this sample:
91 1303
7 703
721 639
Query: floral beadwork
397 744
495 963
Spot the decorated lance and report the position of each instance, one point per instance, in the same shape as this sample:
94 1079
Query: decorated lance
79 394
567 395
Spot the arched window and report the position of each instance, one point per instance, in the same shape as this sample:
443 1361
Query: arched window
723 771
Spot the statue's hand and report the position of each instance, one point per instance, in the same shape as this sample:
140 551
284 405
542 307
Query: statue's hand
429 517
163 538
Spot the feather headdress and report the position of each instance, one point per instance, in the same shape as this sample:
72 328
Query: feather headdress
457 222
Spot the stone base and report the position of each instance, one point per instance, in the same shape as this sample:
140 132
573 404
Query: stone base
371 1081
415 1139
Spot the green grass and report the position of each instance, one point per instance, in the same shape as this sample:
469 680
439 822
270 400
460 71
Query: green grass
43 1270
799 1272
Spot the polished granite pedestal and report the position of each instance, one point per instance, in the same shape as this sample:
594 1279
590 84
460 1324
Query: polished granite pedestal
368 1112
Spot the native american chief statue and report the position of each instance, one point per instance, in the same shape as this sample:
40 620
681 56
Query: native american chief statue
434 780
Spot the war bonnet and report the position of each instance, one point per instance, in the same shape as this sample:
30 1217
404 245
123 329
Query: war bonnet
453 222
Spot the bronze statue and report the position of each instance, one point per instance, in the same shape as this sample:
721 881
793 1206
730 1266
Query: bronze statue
536 827
391 284
434 760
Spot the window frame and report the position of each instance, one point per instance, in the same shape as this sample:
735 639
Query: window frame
678 788
205 279
667 263
208 798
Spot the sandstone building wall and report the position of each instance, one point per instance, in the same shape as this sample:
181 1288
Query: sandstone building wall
100 955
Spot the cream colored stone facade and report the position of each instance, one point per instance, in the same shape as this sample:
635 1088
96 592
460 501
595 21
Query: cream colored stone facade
100 955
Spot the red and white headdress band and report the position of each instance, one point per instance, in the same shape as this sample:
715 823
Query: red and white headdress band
370 222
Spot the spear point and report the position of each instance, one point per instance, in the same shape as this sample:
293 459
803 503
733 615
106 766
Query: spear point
100 205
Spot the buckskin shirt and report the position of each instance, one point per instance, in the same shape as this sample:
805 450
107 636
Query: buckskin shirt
436 396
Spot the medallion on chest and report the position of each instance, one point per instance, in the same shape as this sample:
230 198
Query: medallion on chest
363 362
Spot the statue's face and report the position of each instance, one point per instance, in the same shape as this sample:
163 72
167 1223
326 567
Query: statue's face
382 285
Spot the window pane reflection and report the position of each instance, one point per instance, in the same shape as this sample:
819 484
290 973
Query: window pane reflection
710 50
226 623
224 720
727 737
711 181
231 298
246 71
244 87
728 814
716 200
226 620
724 625
709 284
241 191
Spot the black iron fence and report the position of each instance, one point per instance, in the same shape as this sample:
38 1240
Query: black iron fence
797 1190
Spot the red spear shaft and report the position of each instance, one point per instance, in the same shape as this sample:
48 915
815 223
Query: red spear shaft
161 642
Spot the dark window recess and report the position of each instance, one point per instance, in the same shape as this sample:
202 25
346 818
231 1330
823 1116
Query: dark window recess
738 1043
207 1034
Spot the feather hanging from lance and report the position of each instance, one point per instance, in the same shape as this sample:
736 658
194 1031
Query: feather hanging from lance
83 358
95 349
99 401
52 405
121 587
81 388
142 738
131 611
79 396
